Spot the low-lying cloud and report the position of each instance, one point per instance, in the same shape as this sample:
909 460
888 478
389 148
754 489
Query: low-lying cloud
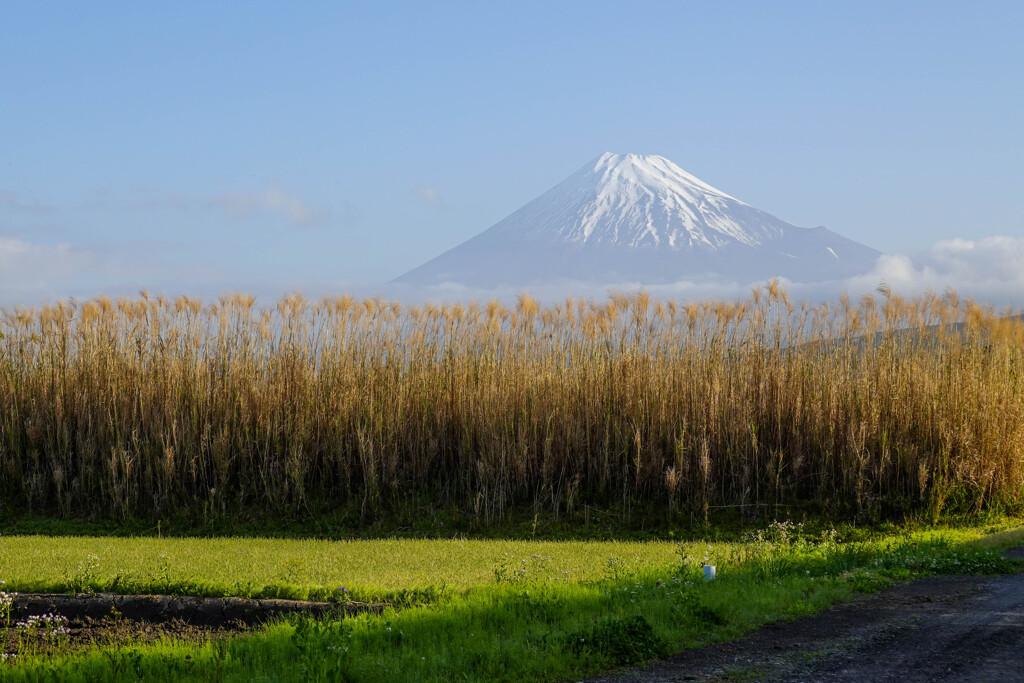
991 270
30 271
37 272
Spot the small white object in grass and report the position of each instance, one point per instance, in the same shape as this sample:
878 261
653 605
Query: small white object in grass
709 572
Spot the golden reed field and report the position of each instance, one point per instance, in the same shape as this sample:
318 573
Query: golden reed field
149 407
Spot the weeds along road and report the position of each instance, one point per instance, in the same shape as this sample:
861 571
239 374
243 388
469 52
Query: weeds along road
947 628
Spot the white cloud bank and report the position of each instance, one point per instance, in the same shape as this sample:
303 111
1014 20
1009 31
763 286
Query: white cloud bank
991 270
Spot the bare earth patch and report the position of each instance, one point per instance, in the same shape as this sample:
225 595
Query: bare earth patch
948 628
107 618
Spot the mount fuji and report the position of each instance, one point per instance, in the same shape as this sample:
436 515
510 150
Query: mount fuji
641 219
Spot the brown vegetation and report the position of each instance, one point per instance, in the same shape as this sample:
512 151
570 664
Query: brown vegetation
148 407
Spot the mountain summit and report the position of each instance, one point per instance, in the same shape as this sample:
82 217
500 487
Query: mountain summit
634 218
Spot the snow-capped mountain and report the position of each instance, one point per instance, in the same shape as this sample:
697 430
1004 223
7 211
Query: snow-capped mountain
641 219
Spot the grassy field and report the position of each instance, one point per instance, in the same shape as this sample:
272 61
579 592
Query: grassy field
532 623
303 569
586 419
154 409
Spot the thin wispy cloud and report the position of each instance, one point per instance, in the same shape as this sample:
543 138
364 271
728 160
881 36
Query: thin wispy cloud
428 194
239 205
242 205
12 201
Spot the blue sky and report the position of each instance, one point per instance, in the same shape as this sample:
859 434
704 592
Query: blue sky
202 147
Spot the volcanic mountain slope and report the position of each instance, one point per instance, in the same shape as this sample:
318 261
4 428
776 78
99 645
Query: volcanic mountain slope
641 219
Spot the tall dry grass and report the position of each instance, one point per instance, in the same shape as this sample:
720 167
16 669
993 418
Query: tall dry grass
149 407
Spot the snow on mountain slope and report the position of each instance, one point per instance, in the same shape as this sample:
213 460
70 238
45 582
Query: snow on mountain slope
642 219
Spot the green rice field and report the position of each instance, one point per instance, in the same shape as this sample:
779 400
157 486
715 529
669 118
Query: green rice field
254 567
506 613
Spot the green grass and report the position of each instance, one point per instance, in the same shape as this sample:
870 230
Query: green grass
508 624
370 569
301 569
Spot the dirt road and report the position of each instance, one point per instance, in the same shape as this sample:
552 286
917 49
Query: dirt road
951 628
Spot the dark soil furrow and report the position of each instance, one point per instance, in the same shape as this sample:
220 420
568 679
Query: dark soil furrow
197 611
